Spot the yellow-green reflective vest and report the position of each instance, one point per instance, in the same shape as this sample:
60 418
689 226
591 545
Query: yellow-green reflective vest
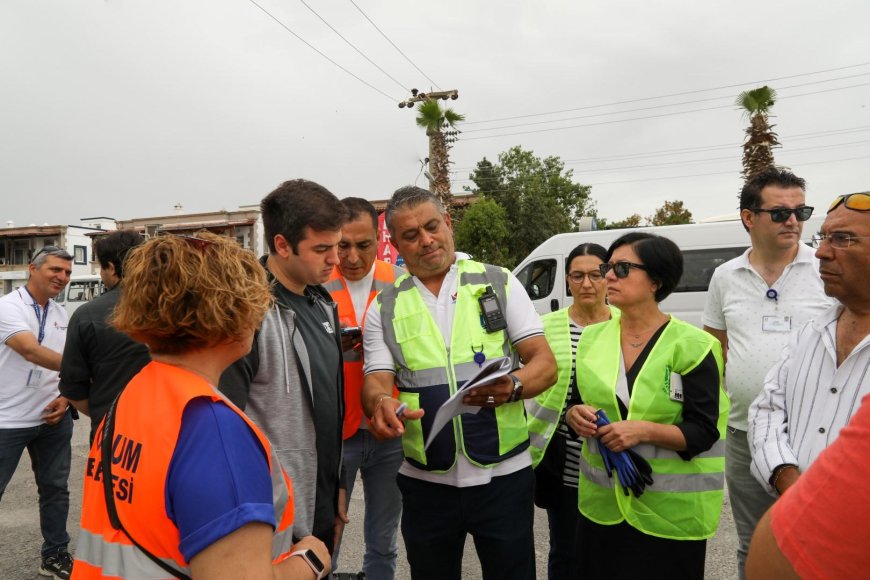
685 501
545 410
428 373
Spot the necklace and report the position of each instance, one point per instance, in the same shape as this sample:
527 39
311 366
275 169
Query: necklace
581 321
640 337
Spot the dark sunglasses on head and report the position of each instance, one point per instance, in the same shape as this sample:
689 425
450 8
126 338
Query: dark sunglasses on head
781 214
621 269
853 201
194 241
54 250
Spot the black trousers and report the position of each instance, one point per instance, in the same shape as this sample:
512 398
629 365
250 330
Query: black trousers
622 552
499 516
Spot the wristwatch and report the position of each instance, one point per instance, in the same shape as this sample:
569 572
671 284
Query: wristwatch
517 393
312 560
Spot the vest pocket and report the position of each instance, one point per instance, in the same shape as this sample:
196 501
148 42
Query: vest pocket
512 428
412 440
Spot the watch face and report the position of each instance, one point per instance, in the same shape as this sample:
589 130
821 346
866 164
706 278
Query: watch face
312 557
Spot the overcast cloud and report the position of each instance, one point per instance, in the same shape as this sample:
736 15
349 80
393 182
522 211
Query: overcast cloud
123 109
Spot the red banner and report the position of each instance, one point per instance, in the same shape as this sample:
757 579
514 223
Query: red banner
386 250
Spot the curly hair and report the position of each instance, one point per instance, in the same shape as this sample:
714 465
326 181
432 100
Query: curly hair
184 293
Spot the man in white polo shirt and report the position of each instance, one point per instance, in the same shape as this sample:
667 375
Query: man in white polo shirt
33 415
754 303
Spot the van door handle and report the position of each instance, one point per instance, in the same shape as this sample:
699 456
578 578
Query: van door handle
554 304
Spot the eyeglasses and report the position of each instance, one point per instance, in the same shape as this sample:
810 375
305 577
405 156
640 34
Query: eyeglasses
621 269
836 239
854 201
781 214
578 277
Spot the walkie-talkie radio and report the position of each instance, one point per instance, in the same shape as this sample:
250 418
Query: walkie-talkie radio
491 316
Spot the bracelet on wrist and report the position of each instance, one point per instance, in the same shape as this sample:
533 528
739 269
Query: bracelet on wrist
777 473
380 400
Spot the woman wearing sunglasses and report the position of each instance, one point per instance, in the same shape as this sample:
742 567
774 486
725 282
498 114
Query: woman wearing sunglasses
179 483
555 449
659 381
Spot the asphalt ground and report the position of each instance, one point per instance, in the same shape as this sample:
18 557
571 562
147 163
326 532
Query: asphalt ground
20 538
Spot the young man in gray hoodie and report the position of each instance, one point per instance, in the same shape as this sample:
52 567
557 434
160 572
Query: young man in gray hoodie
291 383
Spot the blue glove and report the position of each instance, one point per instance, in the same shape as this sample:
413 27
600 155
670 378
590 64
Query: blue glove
633 471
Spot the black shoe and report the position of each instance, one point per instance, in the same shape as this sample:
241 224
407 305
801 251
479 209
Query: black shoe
57 566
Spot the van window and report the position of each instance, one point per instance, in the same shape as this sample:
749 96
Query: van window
538 278
84 290
698 267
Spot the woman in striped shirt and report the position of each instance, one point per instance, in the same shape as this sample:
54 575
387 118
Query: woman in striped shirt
558 452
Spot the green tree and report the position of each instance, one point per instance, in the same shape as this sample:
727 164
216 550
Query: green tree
539 196
483 232
632 221
670 214
760 138
437 123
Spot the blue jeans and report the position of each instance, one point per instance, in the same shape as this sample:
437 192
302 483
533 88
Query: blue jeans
379 462
50 455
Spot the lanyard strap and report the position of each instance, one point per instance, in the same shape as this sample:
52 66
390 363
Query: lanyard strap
41 319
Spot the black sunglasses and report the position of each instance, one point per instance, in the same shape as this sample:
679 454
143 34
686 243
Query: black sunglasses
781 214
621 269
54 250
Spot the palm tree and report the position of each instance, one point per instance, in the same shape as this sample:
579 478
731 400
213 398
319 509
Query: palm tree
439 124
760 138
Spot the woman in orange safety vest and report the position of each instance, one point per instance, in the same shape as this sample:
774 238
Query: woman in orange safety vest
178 482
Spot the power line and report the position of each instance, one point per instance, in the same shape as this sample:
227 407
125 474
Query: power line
394 45
312 47
690 150
671 114
668 95
864 158
662 106
350 44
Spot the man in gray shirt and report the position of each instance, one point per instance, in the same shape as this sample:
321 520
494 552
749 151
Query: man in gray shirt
290 384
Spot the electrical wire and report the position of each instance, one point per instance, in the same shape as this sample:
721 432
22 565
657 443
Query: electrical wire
693 92
662 106
399 50
350 44
671 114
312 47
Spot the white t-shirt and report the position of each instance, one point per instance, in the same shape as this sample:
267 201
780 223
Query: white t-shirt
25 388
759 327
522 323
359 291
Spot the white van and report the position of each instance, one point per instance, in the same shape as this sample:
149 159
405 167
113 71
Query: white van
80 290
705 246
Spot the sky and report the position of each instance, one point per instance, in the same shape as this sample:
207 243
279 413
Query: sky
124 108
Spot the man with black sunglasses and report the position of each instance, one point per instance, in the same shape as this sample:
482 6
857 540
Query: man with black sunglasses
754 303
33 415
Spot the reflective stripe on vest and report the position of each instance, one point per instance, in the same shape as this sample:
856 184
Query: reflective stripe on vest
685 500
545 409
427 373
383 277
142 453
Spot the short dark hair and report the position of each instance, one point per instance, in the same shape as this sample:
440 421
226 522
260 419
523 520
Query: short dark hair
750 195
296 205
408 197
586 249
660 256
357 206
112 249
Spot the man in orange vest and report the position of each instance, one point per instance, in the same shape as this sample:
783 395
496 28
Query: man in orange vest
353 285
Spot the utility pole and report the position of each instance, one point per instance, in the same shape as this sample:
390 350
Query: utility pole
442 133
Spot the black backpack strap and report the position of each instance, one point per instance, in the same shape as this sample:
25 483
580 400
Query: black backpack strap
108 435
